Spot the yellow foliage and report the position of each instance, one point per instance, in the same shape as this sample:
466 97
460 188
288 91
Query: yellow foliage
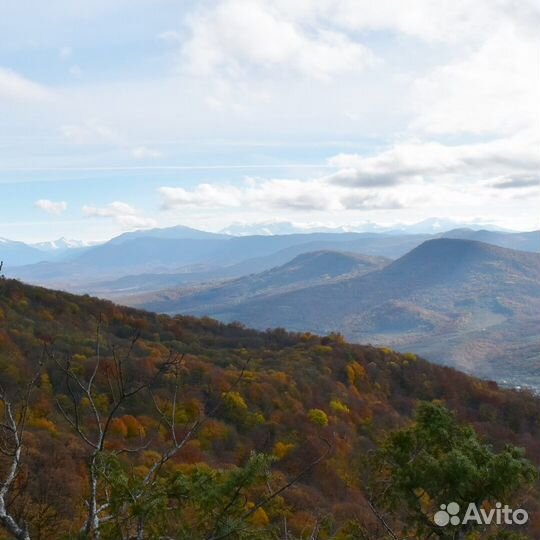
322 349
46 383
318 417
44 423
234 400
214 430
339 407
102 402
282 450
260 518
355 372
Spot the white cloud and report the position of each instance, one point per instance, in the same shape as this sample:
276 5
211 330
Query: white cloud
111 210
290 77
236 35
122 213
433 21
407 175
170 36
143 152
135 222
75 70
517 182
294 195
432 161
15 87
65 52
51 207
493 90
90 132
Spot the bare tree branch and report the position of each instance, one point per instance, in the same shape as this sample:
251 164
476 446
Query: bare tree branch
12 434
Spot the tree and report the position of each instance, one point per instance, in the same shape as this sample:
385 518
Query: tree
12 428
433 462
122 503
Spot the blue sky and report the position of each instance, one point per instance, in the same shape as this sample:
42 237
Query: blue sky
122 114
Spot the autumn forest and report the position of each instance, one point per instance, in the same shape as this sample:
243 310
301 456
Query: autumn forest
124 424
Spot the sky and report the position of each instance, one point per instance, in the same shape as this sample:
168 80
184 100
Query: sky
125 114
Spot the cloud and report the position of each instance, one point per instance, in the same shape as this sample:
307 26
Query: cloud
15 87
427 20
90 132
51 207
123 213
111 210
432 161
65 52
517 182
493 90
75 70
237 35
170 36
143 152
406 175
268 194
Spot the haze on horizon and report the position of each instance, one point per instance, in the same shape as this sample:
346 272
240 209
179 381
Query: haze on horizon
119 114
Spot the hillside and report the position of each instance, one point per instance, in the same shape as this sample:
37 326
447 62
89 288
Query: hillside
464 303
362 391
303 271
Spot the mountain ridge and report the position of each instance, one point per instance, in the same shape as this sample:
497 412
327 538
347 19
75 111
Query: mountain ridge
436 299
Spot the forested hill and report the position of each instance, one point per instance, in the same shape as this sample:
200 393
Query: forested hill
303 399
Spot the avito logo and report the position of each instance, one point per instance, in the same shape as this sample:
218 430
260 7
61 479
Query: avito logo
500 515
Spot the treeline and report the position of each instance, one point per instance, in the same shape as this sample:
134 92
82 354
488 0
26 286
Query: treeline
121 424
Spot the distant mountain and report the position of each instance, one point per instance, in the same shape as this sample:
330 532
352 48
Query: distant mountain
427 226
179 232
441 225
214 257
466 303
304 270
62 244
185 255
272 228
524 241
18 253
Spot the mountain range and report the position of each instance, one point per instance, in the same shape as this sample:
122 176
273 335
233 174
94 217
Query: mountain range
461 297
17 253
465 303
305 270
427 226
181 255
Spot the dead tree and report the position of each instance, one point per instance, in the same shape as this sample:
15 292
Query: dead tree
12 429
93 428
95 432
